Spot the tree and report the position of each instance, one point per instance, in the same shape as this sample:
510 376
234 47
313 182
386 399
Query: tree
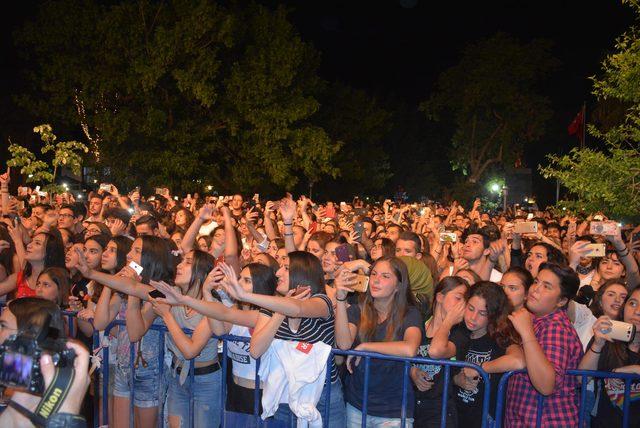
356 119
171 92
66 154
492 100
607 178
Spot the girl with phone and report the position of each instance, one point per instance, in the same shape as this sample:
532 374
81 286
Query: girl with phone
607 354
386 321
239 320
154 256
301 311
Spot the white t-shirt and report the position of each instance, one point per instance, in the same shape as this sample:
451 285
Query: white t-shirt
206 229
243 365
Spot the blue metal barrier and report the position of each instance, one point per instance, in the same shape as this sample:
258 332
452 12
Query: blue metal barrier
585 375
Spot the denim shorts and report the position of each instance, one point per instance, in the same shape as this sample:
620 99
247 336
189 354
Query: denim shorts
205 392
354 419
146 385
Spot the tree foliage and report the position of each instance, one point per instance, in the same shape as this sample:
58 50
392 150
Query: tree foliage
606 179
169 91
492 99
62 154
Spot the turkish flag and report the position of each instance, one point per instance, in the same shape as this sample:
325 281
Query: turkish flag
576 126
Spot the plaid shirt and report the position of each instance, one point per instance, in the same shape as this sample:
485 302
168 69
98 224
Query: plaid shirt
562 347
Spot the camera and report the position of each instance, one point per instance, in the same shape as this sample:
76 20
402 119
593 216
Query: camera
20 357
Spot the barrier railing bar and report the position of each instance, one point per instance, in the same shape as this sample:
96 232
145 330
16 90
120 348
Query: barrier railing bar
625 405
132 378
583 398
256 393
365 392
327 384
445 397
403 411
223 387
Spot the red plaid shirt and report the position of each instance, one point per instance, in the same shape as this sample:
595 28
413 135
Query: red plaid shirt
562 347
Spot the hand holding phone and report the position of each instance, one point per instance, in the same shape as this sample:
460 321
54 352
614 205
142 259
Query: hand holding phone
136 267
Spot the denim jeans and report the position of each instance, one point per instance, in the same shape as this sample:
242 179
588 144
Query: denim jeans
354 420
205 394
337 416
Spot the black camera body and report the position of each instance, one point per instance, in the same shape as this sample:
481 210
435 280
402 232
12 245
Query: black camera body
20 358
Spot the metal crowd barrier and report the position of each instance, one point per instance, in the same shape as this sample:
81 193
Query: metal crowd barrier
585 376
366 356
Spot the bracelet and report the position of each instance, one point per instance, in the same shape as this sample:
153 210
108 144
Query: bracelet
595 352
620 252
288 224
288 234
341 300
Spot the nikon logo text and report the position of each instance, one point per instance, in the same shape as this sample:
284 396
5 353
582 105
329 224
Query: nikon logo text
51 402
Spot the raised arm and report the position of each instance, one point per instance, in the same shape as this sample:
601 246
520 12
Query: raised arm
189 239
313 307
9 284
345 331
208 306
124 282
268 224
231 244
624 255
263 334
288 213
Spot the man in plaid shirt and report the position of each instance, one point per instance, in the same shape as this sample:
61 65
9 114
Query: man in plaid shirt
551 347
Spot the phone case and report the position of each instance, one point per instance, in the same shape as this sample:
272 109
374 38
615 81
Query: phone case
342 253
622 331
136 267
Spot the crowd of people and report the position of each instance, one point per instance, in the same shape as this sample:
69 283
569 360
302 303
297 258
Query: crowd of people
504 291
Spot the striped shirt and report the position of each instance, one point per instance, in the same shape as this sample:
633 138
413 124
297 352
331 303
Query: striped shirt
311 330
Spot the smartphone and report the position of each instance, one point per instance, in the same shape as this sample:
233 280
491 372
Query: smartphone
635 237
598 217
362 285
595 250
136 267
105 187
313 227
621 331
359 229
342 253
603 228
530 216
156 294
159 191
526 227
448 237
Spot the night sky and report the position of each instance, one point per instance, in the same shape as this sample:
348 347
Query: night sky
396 48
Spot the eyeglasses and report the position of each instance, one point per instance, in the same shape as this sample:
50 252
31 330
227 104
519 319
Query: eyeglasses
66 215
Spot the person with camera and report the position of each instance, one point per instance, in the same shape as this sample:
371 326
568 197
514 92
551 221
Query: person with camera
47 394
607 354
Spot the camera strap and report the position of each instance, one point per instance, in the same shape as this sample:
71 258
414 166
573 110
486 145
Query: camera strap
52 398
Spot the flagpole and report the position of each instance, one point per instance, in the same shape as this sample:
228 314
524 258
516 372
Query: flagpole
584 125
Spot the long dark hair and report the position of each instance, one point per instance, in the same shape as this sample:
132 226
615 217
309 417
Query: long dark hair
596 304
618 354
53 252
445 285
263 278
157 262
402 300
123 245
6 256
60 276
498 309
202 264
306 269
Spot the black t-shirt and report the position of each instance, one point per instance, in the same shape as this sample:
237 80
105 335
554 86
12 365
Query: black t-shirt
385 377
469 403
436 372
611 392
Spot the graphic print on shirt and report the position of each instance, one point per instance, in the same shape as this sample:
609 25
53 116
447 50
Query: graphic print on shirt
429 369
241 358
615 391
474 357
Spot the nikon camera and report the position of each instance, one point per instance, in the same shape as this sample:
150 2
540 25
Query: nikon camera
20 357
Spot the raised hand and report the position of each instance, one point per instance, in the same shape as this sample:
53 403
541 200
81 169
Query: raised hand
172 295
287 210
82 265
